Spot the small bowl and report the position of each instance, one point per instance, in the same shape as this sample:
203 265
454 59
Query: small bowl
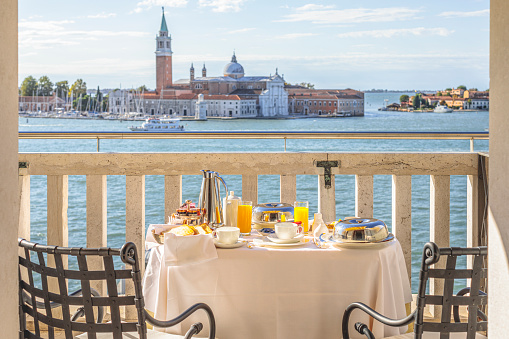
158 237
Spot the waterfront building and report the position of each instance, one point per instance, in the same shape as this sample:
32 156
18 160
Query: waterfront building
303 101
468 99
229 95
40 103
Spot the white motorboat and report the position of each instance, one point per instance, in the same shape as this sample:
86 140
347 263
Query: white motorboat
442 109
159 125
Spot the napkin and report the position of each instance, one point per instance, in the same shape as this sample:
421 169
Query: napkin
186 250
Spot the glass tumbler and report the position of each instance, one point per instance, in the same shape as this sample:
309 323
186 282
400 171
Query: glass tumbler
244 217
301 213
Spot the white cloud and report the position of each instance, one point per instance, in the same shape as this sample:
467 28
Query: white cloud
102 15
389 33
313 7
483 12
222 5
242 30
318 14
45 34
147 4
99 66
294 35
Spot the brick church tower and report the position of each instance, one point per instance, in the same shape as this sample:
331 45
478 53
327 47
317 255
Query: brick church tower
163 57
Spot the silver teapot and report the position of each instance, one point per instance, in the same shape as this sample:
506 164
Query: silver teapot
210 202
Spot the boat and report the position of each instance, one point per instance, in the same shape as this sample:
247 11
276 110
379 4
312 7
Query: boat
442 109
159 125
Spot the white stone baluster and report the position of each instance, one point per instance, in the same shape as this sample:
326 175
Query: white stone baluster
402 216
288 188
327 198
439 226
135 226
172 194
58 233
364 196
250 188
97 224
24 206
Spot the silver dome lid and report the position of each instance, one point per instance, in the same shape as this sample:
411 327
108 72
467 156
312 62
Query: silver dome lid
361 230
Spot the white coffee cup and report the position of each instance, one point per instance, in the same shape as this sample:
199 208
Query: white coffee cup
287 230
227 235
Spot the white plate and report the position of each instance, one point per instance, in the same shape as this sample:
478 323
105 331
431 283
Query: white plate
259 242
361 244
273 237
239 243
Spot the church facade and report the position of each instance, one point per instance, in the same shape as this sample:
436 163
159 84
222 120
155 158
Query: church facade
232 94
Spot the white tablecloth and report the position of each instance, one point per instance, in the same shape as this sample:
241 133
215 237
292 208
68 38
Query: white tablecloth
297 292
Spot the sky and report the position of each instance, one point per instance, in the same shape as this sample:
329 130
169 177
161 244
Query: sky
361 44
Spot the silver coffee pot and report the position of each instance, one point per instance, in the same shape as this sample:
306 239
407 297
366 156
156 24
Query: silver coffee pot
210 199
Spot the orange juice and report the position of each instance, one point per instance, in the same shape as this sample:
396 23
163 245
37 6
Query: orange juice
244 217
302 214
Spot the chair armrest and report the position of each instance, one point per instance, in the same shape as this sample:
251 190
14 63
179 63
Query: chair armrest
383 319
195 328
455 308
363 329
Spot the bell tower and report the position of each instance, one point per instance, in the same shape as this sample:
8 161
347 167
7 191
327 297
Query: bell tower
163 57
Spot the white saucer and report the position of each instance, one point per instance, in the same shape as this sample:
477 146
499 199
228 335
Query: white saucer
239 243
273 237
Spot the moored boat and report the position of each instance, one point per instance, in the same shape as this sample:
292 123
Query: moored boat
442 109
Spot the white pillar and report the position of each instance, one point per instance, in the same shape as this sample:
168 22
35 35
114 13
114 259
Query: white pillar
498 222
9 208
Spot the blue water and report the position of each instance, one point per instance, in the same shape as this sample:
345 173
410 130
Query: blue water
306 185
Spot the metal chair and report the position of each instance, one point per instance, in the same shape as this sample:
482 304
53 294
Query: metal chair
477 320
88 302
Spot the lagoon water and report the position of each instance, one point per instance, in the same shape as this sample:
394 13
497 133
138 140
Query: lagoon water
373 120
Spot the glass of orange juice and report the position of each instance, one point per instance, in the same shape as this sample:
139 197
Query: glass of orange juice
244 217
301 213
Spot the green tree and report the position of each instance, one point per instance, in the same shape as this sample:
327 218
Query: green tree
439 94
78 88
473 89
29 86
307 85
142 88
62 88
462 87
448 89
403 98
416 101
45 86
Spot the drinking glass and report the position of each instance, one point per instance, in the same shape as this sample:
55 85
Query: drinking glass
301 213
244 217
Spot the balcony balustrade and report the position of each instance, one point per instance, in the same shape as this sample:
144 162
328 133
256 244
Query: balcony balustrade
135 166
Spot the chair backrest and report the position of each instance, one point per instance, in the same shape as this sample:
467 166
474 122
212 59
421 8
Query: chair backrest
37 278
432 255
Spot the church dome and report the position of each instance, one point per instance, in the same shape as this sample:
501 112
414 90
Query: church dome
233 69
